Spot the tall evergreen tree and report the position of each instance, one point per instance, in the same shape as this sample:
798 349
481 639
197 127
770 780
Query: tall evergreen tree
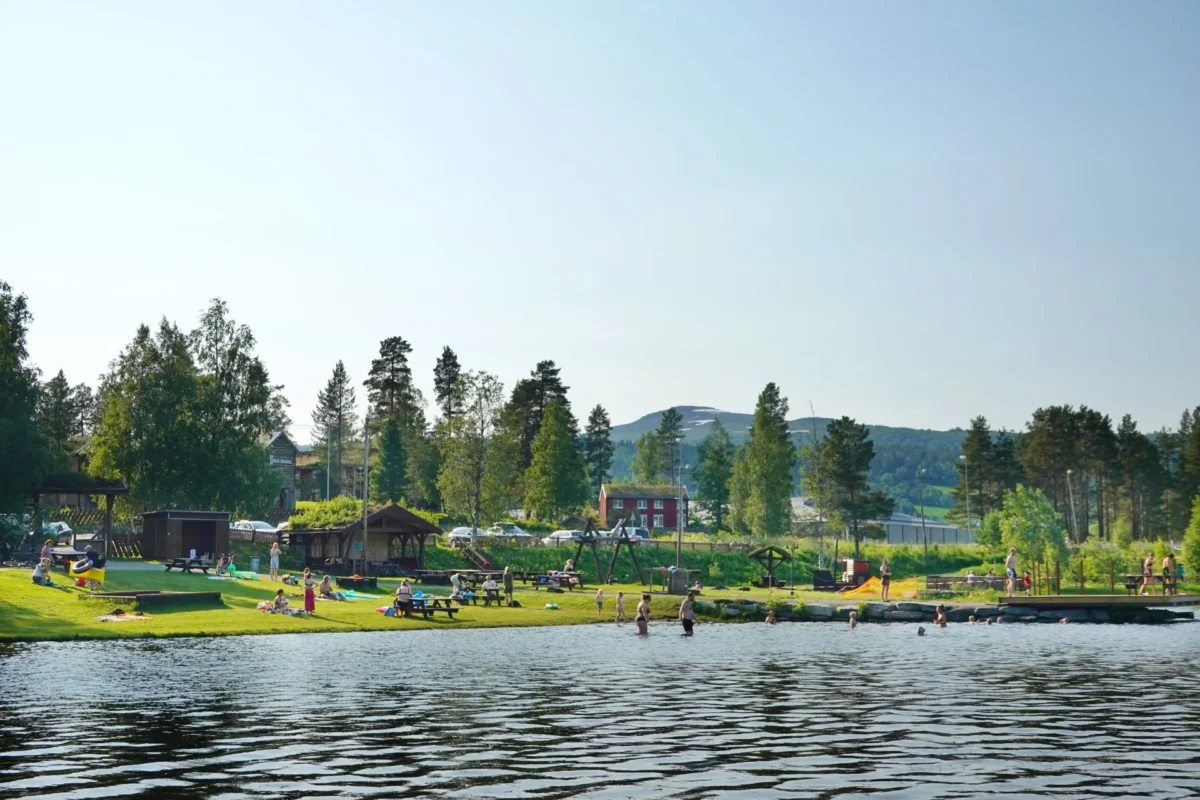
1097 465
389 383
714 469
975 474
647 459
57 413
389 475
846 454
556 481
335 428
1188 480
766 471
445 378
670 436
1052 448
530 398
598 448
24 454
1141 477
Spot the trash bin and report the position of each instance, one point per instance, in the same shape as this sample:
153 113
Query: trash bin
254 562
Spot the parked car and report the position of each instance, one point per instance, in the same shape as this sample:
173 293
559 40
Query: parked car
505 529
461 536
257 526
562 537
636 533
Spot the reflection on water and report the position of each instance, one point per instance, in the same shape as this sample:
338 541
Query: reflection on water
740 711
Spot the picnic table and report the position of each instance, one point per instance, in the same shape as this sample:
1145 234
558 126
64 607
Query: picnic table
64 556
559 580
428 606
493 596
188 564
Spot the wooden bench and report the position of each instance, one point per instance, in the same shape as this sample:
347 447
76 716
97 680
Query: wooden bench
188 564
428 606
493 596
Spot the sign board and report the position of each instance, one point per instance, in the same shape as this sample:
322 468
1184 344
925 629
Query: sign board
356 546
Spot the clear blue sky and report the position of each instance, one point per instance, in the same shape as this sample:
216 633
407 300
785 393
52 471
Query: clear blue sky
910 213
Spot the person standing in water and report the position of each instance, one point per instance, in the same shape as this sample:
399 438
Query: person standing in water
885 579
643 615
686 614
1010 571
275 553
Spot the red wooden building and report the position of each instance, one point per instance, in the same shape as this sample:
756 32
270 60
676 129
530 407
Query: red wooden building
648 506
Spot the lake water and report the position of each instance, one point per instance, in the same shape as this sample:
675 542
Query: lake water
739 711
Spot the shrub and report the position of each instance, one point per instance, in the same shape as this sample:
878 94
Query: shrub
1191 543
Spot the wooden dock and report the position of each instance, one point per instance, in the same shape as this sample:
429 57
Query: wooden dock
1062 601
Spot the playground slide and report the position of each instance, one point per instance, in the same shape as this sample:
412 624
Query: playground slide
90 574
899 589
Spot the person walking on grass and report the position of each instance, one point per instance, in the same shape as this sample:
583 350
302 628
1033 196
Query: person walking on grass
599 601
310 596
885 580
621 607
508 586
1010 572
275 553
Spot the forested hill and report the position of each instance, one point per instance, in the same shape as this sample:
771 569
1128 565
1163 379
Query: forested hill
899 452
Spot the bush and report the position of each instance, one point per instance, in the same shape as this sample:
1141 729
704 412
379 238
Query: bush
1191 543
323 514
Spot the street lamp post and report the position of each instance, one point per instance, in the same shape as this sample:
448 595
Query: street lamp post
921 497
1074 519
967 483
679 507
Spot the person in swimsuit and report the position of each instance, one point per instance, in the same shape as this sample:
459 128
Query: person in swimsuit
310 597
770 620
621 607
280 606
326 590
1168 568
1010 571
885 579
939 617
687 616
853 620
599 601
643 615
275 553
1147 574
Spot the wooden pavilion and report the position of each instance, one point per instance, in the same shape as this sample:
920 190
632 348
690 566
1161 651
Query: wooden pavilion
76 483
395 536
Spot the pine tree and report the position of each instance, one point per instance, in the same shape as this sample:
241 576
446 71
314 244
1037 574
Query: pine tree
1189 467
598 448
25 455
335 428
389 477
714 468
846 454
57 414
647 459
556 481
766 471
670 436
1191 541
975 473
390 389
445 377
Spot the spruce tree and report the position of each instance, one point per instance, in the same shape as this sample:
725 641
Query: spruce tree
530 398
647 458
714 469
974 473
556 481
598 448
24 453
335 428
765 474
57 415
670 436
445 377
389 477
390 389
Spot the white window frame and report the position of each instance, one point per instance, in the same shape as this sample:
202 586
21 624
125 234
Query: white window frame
658 520
641 505
618 503
658 504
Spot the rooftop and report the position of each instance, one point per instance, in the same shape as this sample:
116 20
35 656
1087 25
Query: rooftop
663 491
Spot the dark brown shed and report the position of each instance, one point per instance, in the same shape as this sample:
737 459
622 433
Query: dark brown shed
175 534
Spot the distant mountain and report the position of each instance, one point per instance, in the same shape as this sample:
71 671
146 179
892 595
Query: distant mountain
899 452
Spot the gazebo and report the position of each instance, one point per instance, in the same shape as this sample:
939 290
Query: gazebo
770 557
395 536
77 483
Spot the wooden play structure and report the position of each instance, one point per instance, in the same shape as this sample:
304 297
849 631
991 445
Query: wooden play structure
592 540
770 557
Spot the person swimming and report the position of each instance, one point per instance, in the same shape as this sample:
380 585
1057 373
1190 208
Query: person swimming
920 631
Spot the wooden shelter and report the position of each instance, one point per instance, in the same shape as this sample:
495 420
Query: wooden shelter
175 534
76 483
770 557
395 536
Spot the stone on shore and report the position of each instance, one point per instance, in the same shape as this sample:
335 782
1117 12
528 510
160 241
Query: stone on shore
988 611
1099 615
819 611
1020 611
924 608
958 614
1072 614
903 616
877 610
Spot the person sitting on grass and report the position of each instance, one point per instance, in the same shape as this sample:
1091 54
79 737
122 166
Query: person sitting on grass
404 599
326 591
41 572
280 606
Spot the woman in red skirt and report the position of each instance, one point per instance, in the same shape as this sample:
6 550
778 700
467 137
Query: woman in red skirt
310 597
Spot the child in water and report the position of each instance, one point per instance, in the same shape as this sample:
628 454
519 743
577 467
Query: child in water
643 615
621 607
770 620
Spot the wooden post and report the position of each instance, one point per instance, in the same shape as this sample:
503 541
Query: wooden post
1112 577
1082 587
1057 577
108 498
